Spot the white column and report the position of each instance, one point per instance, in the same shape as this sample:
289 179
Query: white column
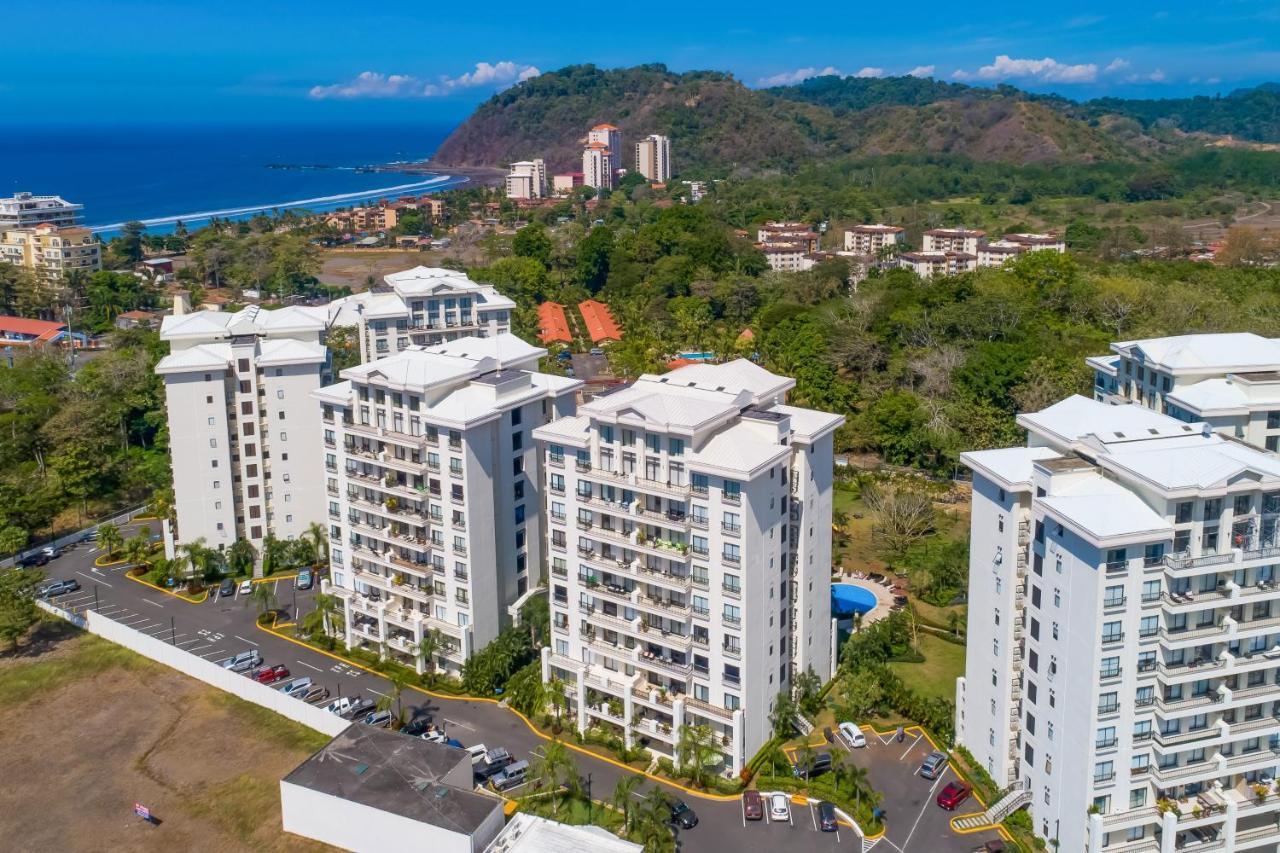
582 700
1095 833
1169 832
546 664
835 648
738 758
1229 825
628 711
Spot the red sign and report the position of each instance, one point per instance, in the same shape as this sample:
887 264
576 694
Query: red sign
142 811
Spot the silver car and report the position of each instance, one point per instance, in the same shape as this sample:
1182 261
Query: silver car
243 662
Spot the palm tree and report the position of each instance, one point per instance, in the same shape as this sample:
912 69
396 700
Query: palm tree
431 643
318 538
804 760
694 750
326 606
241 556
556 768
556 688
199 557
399 681
264 597
137 550
622 797
651 824
109 538
274 552
857 778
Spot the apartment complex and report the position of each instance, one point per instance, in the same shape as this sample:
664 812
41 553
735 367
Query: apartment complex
597 166
1125 674
698 508
653 158
938 263
51 251
964 240
242 423
611 138
997 252
433 491
422 306
527 179
873 239
25 210
1230 381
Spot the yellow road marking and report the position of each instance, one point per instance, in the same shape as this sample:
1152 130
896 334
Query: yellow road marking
204 594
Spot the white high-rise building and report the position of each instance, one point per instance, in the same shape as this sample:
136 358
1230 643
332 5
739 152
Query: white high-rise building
597 167
433 485
1123 659
653 158
243 432
1230 381
24 210
527 180
420 307
689 536
611 138
871 239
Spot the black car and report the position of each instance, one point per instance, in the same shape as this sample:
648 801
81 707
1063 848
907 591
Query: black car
30 561
416 727
59 588
827 817
227 588
682 816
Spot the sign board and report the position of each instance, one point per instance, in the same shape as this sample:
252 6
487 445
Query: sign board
142 811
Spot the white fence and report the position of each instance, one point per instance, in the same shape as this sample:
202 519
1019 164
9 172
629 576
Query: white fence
214 674
119 519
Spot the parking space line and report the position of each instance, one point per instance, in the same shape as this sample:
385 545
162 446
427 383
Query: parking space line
152 603
309 666
379 692
211 654
242 639
906 843
813 817
188 642
95 580
913 746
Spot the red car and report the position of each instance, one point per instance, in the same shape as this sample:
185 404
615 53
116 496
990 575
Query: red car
953 795
271 674
752 805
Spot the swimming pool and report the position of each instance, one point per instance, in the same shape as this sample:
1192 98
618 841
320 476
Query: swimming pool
698 356
848 599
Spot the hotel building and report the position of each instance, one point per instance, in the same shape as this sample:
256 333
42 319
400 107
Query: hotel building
653 158
423 306
527 180
24 210
597 166
611 138
953 240
1230 381
930 264
433 488
242 424
689 536
51 251
872 239
1125 673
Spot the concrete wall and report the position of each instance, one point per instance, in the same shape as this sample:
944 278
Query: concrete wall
213 674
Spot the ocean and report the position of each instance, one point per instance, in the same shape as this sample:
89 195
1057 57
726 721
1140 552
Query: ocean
160 174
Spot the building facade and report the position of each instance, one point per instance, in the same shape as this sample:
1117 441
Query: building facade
930 264
51 251
689 537
597 166
527 179
1124 673
25 210
653 158
243 432
964 240
433 491
611 138
873 239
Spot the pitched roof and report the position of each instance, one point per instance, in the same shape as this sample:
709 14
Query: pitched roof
1224 352
27 327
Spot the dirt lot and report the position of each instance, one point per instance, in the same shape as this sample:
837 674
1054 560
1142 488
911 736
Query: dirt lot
353 268
90 728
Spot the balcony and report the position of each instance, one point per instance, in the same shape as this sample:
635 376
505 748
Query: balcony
707 709
662 664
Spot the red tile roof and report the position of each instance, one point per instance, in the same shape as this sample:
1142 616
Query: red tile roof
36 330
677 363
553 326
600 322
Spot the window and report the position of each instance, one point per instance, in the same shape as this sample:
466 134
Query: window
1182 514
1105 738
732 614
1113 597
1108 703
1112 632
1110 667
1104 771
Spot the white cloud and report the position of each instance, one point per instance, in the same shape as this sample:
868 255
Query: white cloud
790 78
375 84
922 71
870 71
1045 70
1115 65
1157 76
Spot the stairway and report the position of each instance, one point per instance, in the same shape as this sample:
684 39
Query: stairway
1017 796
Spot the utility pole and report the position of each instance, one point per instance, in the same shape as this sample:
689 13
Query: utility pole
173 632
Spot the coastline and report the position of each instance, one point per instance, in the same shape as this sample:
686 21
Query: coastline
487 176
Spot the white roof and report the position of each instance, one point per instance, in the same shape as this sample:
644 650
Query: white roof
1109 364
575 428
1103 508
203 357
526 833
1200 462
416 368
1072 419
437 281
739 448
1010 466
505 348
284 351
1231 352
252 320
668 408
809 423
732 376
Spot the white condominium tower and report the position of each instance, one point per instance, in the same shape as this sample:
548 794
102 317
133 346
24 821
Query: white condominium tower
433 486
242 425
1229 381
597 168
527 180
25 210
689 535
420 307
611 138
653 158
1123 661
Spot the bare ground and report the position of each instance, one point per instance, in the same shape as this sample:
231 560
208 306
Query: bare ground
89 729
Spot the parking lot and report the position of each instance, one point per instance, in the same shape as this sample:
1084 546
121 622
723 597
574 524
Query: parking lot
221 627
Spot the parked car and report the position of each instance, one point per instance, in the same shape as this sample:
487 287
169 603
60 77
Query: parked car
511 776
477 753
243 661
681 815
59 588
495 761
51 552
305 579
827 817
246 587
299 687
853 735
434 736
752 805
271 674
227 588
315 693
379 719
953 795
341 705
416 727
819 764
597 351
935 764
779 807
31 561
359 708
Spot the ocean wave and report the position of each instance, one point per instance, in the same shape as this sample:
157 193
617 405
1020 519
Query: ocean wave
320 201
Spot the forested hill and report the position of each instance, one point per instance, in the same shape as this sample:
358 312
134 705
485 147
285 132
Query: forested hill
717 125
1252 114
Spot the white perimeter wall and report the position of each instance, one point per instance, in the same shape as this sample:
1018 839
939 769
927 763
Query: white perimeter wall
213 674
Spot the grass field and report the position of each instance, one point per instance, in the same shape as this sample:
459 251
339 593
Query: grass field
91 729
936 677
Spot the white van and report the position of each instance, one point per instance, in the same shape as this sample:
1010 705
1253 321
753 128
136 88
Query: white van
341 705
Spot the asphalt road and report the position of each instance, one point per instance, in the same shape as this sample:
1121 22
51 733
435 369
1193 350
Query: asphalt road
219 628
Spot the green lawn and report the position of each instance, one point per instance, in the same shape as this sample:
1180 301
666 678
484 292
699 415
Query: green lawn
944 663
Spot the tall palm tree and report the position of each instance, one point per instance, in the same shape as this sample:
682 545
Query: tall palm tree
327 605
857 778
264 597
694 751
198 557
431 643
318 537
137 550
623 794
241 556
556 688
652 827
109 538
556 768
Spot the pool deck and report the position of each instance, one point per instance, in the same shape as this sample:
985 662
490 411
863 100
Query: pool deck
884 598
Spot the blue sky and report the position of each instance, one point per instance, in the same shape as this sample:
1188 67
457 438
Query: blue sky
129 60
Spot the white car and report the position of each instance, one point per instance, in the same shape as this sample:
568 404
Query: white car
341 705
246 587
853 735
779 807
478 754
